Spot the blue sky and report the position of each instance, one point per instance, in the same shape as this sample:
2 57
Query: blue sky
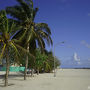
69 21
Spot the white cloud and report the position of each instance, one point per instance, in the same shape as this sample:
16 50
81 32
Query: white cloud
75 61
85 43
76 58
88 59
69 46
79 63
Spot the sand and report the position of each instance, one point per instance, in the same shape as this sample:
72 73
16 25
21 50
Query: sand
66 79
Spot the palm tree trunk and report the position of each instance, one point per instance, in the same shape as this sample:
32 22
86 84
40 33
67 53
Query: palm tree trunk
26 64
37 71
32 72
7 68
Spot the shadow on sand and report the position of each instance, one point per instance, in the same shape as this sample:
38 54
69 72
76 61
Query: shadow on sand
11 77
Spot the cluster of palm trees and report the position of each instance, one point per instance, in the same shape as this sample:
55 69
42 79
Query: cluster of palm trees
21 35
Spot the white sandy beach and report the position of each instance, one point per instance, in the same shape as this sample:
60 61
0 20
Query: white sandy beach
66 79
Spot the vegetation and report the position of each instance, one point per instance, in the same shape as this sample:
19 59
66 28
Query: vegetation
7 31
40 61
22 35
50 61
33 32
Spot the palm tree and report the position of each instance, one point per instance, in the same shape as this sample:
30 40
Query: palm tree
34 32
7 31
5 40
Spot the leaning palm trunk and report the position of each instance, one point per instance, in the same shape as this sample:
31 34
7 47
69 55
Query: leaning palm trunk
7 68
26 64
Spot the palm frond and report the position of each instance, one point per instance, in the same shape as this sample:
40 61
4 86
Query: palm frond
1 40
34 13
43 26
45 36
28 9
1 55
16 12
3 21
14 47
23 50
30 34
41 43
32 46
17 54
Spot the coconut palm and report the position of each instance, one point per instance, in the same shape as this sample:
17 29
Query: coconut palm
7 31
25 14
5 40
